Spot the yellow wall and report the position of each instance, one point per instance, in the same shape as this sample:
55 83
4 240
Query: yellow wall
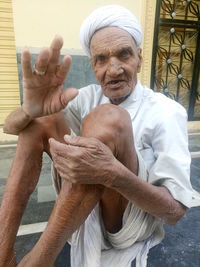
37 21
9 85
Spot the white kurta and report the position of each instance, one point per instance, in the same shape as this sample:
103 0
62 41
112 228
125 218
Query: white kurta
160 134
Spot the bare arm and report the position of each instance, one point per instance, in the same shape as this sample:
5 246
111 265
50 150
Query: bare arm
156 200
110 172
88 164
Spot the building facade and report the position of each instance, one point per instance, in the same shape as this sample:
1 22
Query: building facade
36 23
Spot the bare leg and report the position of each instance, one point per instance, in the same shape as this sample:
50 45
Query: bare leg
74 204
21 182
112 125
71 209
22 179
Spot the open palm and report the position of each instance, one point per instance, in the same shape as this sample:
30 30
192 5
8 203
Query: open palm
43 94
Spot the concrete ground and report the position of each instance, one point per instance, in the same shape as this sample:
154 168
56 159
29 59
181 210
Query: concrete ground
180 248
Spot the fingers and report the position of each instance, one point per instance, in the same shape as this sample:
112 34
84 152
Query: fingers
81 141
26 64
42 60
66 160
71 148
55 48
68 95
47 60
59 149
63 69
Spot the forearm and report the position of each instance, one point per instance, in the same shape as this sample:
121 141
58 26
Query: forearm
71 209
155 200
16 122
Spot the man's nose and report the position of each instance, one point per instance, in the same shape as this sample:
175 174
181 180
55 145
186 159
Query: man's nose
114 68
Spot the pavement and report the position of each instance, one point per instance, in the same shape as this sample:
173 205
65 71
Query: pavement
180 248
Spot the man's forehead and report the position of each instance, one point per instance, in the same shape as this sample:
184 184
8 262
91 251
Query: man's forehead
111 38
111 51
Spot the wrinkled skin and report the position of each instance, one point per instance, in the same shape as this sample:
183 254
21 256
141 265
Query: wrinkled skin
107 140
76 161
43 95
116 60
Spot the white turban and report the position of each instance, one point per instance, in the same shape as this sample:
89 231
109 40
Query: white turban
109 16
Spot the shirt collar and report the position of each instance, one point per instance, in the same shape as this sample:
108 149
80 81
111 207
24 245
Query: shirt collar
133 102
136 95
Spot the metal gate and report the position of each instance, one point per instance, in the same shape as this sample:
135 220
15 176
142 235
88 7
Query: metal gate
176 53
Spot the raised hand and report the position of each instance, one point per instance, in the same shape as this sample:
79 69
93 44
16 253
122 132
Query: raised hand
42 86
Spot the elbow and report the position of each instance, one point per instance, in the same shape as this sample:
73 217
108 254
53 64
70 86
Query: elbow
175 213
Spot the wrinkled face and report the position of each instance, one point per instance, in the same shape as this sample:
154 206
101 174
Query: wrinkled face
115 60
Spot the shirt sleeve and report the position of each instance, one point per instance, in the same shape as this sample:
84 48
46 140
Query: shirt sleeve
172 157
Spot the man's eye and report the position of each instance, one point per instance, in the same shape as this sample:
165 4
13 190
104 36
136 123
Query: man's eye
124 54
100 59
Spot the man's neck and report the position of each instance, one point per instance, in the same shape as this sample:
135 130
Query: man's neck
118 101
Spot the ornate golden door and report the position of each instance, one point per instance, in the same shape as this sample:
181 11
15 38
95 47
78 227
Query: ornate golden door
176 53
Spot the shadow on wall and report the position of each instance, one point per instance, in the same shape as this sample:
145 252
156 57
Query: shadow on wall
80 73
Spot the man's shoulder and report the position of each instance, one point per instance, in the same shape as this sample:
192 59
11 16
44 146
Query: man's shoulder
162 103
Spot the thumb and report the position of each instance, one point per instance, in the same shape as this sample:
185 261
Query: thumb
55 145
68 95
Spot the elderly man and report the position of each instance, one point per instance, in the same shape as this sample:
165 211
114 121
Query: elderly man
119 151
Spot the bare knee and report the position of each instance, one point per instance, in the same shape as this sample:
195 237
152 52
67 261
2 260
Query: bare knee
108 115
112 125
109 123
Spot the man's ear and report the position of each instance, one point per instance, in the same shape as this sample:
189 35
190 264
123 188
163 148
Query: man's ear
140 60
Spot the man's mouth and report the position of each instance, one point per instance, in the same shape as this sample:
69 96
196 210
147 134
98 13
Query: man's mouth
114 83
